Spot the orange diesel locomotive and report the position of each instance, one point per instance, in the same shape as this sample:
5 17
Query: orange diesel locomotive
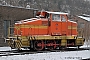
49 30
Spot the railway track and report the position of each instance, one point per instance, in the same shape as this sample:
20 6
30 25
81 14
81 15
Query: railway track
23 52
10 53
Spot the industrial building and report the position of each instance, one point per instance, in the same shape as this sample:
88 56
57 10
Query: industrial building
83 22
9 15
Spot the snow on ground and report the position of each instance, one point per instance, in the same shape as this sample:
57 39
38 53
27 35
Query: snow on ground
5 48
70 55
86 45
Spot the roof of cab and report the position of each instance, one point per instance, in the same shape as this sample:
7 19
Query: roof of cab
57 13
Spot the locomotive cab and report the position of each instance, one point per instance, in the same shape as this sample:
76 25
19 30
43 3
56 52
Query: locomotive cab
60 25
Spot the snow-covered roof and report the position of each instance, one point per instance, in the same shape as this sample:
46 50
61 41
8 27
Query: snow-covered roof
57 12
85 17
17 7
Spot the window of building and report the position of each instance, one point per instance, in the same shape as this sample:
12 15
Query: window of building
6 27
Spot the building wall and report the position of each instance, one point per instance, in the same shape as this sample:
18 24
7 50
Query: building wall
8 15
83 27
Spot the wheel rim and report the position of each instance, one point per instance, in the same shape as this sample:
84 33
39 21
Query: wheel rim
38 45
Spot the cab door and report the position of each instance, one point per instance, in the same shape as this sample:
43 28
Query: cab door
56 24
64 25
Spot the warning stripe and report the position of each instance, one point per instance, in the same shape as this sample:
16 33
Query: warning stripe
31 26
72 27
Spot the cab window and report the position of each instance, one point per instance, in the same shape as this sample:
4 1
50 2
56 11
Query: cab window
63 18
55 17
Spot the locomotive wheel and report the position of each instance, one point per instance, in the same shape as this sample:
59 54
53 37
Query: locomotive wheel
38 45
51 45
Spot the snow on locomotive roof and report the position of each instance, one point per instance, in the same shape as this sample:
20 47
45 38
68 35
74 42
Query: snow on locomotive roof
27 20
57 12
72 21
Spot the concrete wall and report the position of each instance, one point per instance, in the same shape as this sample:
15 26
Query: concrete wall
12 14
